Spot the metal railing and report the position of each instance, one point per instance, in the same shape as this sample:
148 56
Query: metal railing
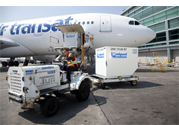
159 63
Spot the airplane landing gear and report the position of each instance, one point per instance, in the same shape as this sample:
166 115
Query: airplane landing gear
10 63
13 63
26 61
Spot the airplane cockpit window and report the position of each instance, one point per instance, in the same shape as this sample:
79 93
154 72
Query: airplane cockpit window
83 23
137 23
92 22
131 22
134 22
88 22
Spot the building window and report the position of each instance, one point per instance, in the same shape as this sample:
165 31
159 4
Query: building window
156 9
130 14
138 10
150 45
144 7
148 21
159 37
158 17
174 42
160 44
174 34
173 23
138 16
147 12
141 47
172 12
158 27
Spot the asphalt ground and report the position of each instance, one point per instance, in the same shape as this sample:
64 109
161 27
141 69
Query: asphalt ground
154 101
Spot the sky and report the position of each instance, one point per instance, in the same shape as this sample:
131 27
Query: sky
16 13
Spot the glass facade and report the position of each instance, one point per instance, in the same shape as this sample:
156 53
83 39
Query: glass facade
158 27
173 23
159 37
137 11
173 12
174 34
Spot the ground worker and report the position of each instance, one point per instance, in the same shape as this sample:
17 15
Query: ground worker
72 64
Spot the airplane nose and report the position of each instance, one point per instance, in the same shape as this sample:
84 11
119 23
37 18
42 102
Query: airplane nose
151 34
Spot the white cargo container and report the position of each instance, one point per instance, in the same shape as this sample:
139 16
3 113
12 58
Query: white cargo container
116 61
72 39
115 64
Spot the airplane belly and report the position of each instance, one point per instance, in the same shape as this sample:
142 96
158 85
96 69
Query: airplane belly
42 44
19 51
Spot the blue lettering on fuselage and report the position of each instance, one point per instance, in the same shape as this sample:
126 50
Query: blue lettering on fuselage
2 28
34 28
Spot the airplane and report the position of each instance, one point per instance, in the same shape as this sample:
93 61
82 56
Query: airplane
38 36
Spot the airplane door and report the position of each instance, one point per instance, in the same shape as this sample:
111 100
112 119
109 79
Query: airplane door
105 25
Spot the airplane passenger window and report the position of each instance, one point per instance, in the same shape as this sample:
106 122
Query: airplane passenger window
78 22
88 22
92 22
137 23
74 22
131 22
83 23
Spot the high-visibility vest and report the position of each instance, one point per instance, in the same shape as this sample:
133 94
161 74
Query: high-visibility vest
72 63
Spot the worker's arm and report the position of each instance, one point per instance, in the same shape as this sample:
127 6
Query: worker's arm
71 57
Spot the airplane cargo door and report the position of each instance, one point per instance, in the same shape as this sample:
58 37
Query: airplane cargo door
105 25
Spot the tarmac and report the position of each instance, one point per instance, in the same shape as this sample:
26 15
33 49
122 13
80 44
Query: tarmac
154 101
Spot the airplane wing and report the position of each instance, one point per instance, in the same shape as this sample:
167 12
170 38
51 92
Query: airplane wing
5 43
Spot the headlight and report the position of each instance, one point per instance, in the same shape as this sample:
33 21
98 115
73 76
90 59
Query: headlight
25 89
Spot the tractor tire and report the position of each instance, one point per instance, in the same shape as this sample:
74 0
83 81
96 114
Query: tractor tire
49 106
83 93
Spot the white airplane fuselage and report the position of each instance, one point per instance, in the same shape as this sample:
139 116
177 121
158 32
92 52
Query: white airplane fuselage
32 37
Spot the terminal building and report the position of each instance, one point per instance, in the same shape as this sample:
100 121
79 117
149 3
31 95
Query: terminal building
164 20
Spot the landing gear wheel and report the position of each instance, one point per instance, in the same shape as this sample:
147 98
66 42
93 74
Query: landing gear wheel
4 64
11 63
49 106
16 63
103 85
83 93
134 83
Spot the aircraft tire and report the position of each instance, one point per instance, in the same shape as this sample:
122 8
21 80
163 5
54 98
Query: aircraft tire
16 63
11 63
4 64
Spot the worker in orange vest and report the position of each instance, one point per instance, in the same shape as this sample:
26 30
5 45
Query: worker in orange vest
72 65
